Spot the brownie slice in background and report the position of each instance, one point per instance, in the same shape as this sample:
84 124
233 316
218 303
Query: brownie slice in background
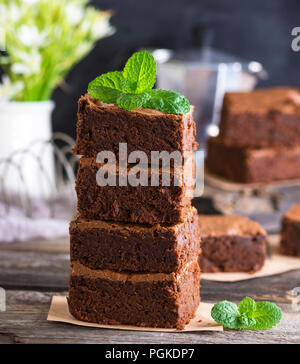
132 247
261 118
141 299
102 127
231 244
252 165
290 232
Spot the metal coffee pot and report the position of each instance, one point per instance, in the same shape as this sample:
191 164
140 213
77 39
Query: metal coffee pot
203 75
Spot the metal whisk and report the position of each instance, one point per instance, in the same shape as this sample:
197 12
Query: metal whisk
62 186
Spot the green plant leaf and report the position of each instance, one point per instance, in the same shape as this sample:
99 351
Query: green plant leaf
114 80
247 306
140 69
246 321
132 101
266 315
105 94
168 101
227 314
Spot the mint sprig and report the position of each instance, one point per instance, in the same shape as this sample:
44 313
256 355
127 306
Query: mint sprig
247 315
133 87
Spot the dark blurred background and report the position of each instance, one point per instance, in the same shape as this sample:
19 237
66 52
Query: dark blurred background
255 30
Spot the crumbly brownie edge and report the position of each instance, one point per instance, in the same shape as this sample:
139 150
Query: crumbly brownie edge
232 254
246 165
140 204
124 247
141 131
248 121
166 303
290 232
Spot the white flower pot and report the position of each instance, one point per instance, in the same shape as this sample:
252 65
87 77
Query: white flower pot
24 129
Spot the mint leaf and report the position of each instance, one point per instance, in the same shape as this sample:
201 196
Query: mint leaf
114 80
132 101
266 315
247 306
105 94
140 69
168 101
248 314
247 321
227 314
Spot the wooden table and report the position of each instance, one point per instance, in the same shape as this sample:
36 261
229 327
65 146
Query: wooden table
33 272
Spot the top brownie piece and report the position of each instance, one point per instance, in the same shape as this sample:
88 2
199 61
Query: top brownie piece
102 127
261 118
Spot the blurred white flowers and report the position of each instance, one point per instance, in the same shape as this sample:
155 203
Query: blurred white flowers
30 36
9 89
74 13
101 26
29 63
10 13
43 40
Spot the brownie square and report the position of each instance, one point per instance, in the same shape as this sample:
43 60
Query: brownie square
102 127
137 204
140 299
249 165
231 244
261 118
290 232
119 246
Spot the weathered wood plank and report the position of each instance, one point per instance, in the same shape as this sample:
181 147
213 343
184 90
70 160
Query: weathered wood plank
25 322
39 270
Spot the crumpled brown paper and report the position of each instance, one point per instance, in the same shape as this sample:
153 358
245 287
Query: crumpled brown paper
203 321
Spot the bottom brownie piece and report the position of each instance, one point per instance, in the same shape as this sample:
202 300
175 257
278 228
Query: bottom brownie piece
290 232
231 244
249 165
140 299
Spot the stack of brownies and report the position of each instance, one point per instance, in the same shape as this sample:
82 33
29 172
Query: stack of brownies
134 249
259 138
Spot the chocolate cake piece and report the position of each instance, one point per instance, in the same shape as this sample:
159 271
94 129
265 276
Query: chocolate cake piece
137 204
261 118
231 244
249 165
290 232
102 127
140 299
119 246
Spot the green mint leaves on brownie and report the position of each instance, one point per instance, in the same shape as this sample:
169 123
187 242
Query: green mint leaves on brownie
168 101
140 69
247 315
133 87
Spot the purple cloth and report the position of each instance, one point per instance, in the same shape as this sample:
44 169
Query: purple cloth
46 219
